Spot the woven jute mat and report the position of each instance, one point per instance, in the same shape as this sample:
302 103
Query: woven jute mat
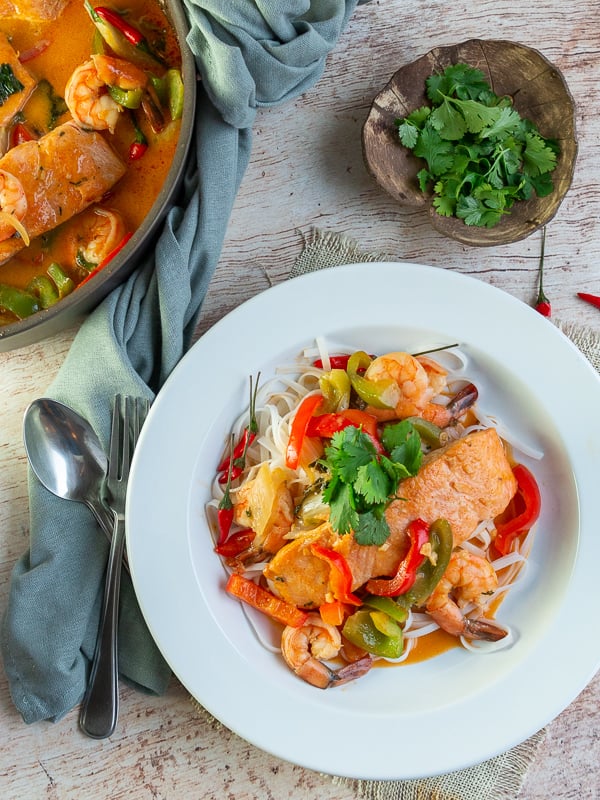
501 777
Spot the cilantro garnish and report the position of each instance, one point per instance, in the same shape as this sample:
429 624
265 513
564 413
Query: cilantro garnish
363 482
481 155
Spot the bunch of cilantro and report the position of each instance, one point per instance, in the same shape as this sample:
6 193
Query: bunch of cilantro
481 155
363 482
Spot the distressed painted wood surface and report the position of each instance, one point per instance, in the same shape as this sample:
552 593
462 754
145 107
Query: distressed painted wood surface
307 172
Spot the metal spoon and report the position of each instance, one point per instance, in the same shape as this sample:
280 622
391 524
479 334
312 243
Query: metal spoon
66 455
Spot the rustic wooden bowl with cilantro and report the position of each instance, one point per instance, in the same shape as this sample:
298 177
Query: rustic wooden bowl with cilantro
481 133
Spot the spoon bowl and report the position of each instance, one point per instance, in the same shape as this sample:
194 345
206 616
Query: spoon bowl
67 456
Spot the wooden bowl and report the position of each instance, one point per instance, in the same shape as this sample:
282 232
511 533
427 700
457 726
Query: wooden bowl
539 94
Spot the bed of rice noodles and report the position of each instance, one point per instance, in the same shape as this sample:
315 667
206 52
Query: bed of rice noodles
276 402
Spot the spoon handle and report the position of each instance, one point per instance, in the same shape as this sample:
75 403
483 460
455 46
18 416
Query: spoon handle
100 707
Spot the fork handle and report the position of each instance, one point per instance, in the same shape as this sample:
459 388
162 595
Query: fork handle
100 707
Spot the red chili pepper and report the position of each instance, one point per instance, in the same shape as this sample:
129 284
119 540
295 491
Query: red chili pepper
542 304
108 258
326 425
34 52
19 134
298 431
238 457
340 575
261 599
529 493
225 509
594 299
418 532
116 20
236 543
137 150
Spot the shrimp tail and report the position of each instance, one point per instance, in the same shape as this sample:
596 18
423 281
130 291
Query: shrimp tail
484 629
352 671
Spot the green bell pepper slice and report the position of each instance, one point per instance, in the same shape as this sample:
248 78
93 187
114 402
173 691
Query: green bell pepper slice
44 289
364 629
175 92
431 570
128 98
429 432
387 605
335 388
64 284
20 303
379 394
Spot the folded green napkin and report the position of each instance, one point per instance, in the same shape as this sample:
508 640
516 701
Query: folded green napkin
250 54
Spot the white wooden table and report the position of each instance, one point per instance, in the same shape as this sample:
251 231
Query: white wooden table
307 172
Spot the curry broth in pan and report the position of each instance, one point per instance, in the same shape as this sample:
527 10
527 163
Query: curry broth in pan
105 183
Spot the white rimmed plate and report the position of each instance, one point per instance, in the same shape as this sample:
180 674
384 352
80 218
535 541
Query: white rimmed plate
452 711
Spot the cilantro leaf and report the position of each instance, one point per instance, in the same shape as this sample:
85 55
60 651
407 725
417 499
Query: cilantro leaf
537 157
436 152
372 528
403 443
343 515
408 134
350 449
372 483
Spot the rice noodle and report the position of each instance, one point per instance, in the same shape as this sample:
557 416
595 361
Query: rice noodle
276 404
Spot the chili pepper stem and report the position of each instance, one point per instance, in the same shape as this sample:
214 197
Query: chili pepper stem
542 304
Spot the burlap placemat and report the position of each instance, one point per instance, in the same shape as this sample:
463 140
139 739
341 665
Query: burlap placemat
501 777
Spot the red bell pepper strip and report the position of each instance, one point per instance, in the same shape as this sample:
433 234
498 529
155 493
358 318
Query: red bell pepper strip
340 575
238 457
108 258
298 431
236 543
529 493
542 304
336 362
261 599
418 532
326 425
593 299
132 34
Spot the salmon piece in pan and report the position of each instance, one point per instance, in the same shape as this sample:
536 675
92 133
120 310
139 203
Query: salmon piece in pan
34 10
466 482
62 173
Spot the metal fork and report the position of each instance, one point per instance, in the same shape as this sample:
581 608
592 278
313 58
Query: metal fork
100 707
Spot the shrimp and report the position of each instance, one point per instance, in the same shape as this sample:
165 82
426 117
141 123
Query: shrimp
418 382
13 207
465 580
304 650
99 231
87 96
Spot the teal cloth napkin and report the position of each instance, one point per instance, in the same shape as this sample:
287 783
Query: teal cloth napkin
249 54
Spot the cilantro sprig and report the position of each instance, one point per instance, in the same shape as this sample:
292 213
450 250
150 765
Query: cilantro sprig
363 482
481 155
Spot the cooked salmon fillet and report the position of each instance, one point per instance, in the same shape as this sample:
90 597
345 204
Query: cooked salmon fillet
62 173
466 482
32 9
14 102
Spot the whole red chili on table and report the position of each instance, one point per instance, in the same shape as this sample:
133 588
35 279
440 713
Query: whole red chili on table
542 304
593 299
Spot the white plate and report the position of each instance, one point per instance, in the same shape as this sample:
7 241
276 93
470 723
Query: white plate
414 721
